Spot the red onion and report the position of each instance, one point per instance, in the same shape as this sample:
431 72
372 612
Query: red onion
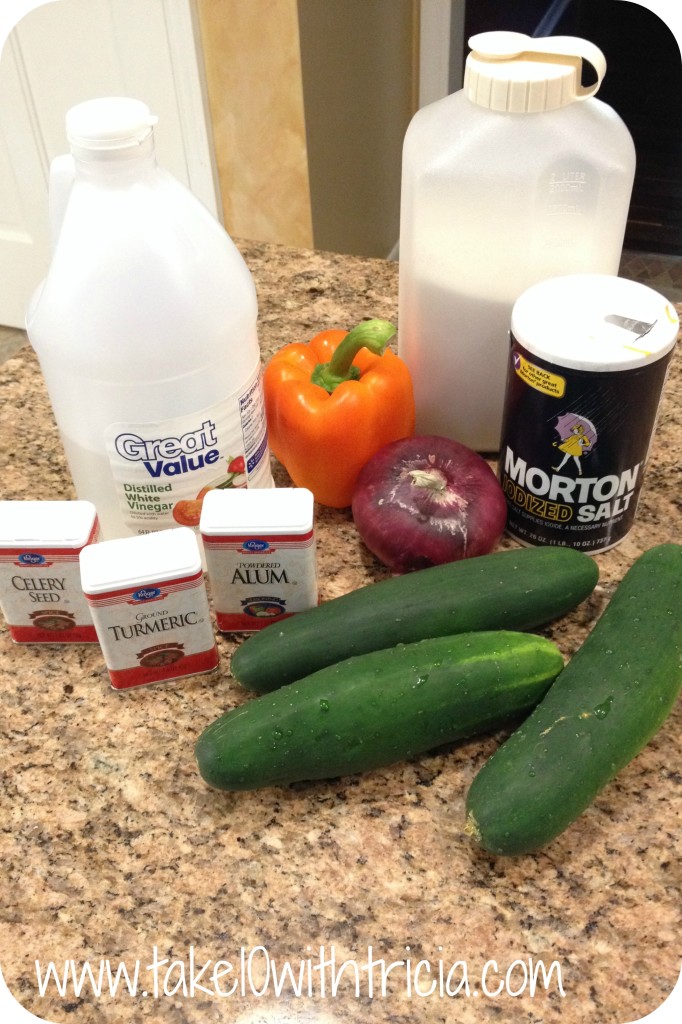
422 501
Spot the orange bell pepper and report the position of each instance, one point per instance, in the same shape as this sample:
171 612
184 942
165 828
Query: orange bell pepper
332 403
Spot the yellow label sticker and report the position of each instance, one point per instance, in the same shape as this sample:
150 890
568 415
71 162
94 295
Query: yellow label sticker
542 380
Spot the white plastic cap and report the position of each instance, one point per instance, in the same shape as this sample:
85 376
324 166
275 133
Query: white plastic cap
269 510
111 123
132 561
514 73
54 524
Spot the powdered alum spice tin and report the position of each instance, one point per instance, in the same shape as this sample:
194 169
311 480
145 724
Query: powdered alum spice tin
261 555
40 588
149 604
588 361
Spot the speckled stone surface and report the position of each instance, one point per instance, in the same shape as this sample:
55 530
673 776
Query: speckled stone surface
111 844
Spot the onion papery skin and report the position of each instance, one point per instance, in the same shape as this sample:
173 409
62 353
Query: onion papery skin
425 500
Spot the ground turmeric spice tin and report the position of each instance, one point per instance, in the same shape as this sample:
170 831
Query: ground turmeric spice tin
148 600
588 360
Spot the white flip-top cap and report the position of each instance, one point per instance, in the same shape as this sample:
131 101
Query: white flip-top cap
131 561
275 511
110 123
55 524
514 73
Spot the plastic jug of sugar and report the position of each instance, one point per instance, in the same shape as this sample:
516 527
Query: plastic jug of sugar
145 329
520 176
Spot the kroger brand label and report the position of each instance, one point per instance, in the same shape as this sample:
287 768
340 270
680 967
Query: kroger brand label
147 594
259 580
574 448
31 558
162 469
256 546
152 634
41 596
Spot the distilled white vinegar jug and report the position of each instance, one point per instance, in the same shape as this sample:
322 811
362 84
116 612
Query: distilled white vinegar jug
520 176
145 328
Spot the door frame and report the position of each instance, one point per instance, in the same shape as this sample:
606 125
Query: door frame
182 23
441 48
33 139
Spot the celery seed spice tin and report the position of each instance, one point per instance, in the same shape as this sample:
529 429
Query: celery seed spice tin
40 587
588 360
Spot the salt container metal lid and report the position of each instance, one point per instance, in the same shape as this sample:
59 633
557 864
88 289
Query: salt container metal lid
595 322
277 511
55 524
128 561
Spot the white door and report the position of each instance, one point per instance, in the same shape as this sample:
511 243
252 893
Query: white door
72 50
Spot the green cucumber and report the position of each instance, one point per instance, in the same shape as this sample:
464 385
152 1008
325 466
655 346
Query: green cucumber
518 589
609 701
378 708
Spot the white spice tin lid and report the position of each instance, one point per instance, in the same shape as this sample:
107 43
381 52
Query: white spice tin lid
273 510
129 561
595 322
54 524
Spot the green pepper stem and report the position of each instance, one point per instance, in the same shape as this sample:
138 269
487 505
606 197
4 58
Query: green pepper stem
372 334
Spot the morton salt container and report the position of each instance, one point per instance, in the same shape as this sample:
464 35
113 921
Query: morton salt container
588 361
520 176
145 328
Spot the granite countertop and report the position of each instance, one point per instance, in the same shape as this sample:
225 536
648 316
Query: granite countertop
112 846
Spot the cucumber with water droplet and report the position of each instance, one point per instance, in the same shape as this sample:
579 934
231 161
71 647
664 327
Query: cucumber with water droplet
517 589
610 700
378 708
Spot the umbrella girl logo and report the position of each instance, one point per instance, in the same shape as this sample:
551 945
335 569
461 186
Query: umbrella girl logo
577 437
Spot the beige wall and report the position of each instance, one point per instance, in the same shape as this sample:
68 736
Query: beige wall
359 83
253 76
309 103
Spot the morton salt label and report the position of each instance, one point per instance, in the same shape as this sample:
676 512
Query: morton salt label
149 604
588 360
40 588
261 555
